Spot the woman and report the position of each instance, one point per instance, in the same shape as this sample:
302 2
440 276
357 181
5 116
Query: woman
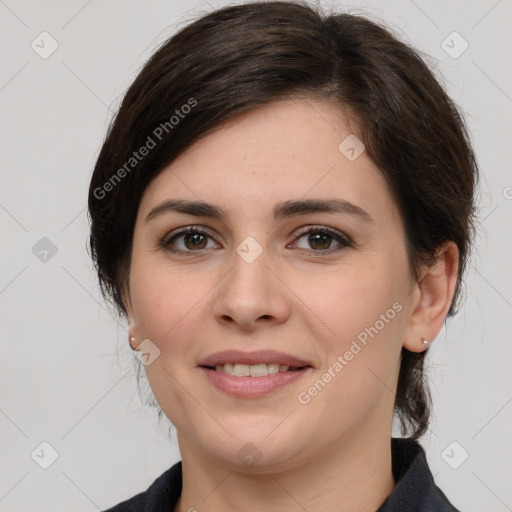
282 210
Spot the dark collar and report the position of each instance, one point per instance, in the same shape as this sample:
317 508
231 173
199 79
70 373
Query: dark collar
415 489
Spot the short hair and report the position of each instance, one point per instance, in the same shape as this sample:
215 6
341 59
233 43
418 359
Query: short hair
239 58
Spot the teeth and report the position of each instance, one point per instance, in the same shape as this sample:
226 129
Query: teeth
241 370
252 370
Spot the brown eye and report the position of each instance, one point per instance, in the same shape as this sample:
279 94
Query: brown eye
322 240
194 241
187 240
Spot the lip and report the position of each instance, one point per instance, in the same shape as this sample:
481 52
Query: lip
252 387
255 357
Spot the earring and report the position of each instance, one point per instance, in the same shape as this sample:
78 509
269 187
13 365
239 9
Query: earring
425 342
132 343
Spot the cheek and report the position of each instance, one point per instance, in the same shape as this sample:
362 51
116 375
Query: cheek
362 317
173 307
164 302
162 297
347 300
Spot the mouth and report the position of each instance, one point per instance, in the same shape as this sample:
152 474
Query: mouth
238 363
253 374
254 370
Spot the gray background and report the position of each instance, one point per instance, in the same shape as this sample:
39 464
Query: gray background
61 381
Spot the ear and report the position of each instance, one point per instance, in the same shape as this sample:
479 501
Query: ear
432 298
132 325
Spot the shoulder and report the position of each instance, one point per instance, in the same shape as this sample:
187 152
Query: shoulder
161 495
415 488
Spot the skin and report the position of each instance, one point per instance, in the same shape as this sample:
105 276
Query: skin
332 453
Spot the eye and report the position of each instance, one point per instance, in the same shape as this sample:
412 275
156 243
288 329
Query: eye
187 240
320 239
195 239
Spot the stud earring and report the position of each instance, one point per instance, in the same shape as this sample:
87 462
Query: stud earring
425 342
132 343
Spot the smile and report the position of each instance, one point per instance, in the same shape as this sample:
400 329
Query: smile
249 386
254 370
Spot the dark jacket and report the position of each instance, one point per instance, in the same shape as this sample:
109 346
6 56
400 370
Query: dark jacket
415 489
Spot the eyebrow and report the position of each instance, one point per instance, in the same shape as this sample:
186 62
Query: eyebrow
280 210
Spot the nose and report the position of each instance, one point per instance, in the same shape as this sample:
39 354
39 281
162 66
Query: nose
251 296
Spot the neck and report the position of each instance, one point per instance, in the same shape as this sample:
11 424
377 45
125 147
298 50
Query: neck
355 476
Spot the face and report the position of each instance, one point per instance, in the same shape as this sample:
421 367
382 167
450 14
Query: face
330 291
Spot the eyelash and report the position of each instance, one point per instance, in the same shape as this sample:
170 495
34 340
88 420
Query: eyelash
342 239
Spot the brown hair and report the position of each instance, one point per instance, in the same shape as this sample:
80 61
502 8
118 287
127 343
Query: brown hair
238 58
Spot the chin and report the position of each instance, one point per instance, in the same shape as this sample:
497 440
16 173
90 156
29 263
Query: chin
253 449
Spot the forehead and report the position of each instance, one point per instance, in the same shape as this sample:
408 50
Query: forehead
284 150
